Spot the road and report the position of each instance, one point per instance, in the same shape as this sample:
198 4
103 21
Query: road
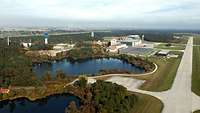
180 98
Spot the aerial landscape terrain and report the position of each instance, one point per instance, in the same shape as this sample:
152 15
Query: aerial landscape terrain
99 56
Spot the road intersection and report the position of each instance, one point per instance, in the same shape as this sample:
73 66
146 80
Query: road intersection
180 98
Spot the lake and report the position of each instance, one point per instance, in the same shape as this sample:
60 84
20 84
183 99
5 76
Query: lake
52 104
91 66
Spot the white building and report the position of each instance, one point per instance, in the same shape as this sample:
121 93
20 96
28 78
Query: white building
115 48
62 47
99 42
132 42
114 42
26 45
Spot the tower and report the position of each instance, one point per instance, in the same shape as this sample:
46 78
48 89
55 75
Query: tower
46 38
142 38
8 41
92 34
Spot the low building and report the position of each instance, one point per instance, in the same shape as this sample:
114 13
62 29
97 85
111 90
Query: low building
162 53
115 48
137 51
4 91
114 42
61 47
26 45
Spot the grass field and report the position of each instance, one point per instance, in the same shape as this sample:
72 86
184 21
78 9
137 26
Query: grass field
196 71
196 40
163 78
197 111
172 47
147 104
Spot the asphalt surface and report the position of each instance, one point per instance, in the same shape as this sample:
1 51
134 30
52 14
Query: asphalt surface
180 98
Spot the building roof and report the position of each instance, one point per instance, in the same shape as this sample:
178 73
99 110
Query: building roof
163 52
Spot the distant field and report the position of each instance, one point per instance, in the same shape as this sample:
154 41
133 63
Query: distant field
196 71
172 47
196 40
147 104
163 78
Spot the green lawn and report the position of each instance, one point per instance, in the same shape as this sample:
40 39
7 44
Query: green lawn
147 104
163 78
172 47
196 71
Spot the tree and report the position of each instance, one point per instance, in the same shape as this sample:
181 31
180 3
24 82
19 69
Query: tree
47 77
82 82
60 75
71 108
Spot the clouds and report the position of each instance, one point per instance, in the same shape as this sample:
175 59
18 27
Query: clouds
108 12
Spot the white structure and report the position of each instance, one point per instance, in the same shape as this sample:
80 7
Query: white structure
8 41
115 48
132 42
134 36
46 40
26 45
163 53
99 42
63 47
113 42
92 34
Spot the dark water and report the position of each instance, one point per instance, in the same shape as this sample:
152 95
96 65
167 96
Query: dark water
91 66
52 104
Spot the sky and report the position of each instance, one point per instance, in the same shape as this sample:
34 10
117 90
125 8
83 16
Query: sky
168 14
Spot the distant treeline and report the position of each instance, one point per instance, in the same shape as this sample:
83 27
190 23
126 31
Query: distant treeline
150 35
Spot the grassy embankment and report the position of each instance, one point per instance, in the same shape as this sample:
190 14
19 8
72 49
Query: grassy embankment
147 104
195 67
197 111
163 78
171 46
196 40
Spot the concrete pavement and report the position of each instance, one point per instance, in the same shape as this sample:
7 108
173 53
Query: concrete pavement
180 98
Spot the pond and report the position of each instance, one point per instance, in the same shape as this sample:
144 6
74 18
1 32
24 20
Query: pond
52 104
91 66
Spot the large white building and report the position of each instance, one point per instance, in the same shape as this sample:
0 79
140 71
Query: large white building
132 40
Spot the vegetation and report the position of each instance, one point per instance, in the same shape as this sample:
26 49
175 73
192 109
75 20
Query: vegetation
196 71
15 68
147 104
170 46
163 78
196 40
54 39
106 97
197 111
85 53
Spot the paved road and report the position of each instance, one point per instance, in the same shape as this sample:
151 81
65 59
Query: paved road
179 99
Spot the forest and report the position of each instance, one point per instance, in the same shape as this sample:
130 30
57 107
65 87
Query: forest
101 97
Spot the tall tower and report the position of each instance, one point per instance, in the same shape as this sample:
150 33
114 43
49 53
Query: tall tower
8 41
